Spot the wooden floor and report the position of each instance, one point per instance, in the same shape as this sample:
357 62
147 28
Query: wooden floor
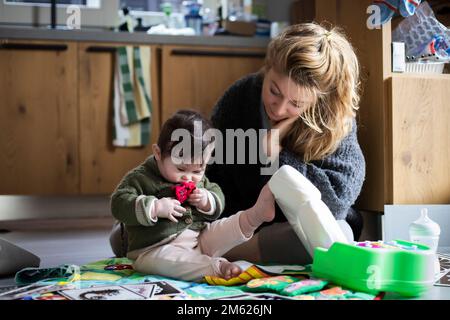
66 245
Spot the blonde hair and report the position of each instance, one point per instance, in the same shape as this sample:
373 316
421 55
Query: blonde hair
322 62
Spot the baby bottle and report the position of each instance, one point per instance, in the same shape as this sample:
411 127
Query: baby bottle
426 231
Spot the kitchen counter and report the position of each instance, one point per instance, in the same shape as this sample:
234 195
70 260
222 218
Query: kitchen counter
29 33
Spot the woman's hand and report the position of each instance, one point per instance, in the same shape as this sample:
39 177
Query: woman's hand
199 198
168 208
272 141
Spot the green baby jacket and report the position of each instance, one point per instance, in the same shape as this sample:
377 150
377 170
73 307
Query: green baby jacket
146 180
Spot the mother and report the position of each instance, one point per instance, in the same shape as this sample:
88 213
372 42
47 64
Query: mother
309 90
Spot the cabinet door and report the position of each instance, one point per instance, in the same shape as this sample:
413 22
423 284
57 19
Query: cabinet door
419 139
38 118
196 77
101 164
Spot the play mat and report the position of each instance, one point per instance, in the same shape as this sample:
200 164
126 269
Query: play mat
106 279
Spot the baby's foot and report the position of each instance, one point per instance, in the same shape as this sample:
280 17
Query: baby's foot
262 211
229 270
264 207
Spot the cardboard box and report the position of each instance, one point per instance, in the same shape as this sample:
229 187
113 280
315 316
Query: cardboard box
241 28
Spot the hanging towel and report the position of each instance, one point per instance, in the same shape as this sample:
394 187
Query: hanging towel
132 98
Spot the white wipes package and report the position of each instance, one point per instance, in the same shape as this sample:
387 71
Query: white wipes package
301 203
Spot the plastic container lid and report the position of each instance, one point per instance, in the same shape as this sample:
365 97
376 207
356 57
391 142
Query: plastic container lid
424 226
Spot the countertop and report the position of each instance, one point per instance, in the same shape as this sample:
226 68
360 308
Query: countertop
86 35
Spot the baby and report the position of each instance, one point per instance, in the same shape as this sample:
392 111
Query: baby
170 209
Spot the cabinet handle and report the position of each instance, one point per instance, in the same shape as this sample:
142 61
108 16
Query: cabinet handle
99 49
33 47
207 53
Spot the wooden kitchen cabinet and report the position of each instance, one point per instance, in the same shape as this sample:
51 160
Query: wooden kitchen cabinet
38 118
101 164
56 109
419 126
56 119
196 77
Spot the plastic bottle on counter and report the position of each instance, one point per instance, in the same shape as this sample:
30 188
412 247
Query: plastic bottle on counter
192 16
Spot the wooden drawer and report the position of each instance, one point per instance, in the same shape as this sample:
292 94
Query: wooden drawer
196 77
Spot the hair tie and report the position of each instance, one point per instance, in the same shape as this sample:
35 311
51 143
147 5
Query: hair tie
328 35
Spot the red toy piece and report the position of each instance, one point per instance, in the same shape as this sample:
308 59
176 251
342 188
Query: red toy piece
183 190
119 267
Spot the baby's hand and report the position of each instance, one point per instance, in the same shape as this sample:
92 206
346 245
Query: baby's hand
199 198
168 208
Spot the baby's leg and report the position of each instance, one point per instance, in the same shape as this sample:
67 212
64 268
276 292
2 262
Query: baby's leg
224 234
221 235
180 263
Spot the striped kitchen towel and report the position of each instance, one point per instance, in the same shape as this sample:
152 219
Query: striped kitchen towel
132 97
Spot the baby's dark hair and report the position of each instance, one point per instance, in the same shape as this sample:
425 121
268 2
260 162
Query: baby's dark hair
184 119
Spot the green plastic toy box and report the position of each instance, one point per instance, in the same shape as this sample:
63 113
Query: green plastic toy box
397 266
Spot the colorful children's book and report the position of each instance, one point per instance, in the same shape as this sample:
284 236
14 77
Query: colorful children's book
102 293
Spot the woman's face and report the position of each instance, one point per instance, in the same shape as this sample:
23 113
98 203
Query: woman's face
282 97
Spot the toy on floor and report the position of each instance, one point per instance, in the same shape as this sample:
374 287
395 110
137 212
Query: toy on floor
397 266
308 215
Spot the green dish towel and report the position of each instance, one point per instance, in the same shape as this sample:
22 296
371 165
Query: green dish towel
132 98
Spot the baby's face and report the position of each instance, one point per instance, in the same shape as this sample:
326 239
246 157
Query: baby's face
177 173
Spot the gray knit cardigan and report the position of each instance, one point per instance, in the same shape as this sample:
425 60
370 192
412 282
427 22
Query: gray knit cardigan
339 177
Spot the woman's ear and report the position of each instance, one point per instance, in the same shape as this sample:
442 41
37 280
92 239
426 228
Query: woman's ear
156 151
